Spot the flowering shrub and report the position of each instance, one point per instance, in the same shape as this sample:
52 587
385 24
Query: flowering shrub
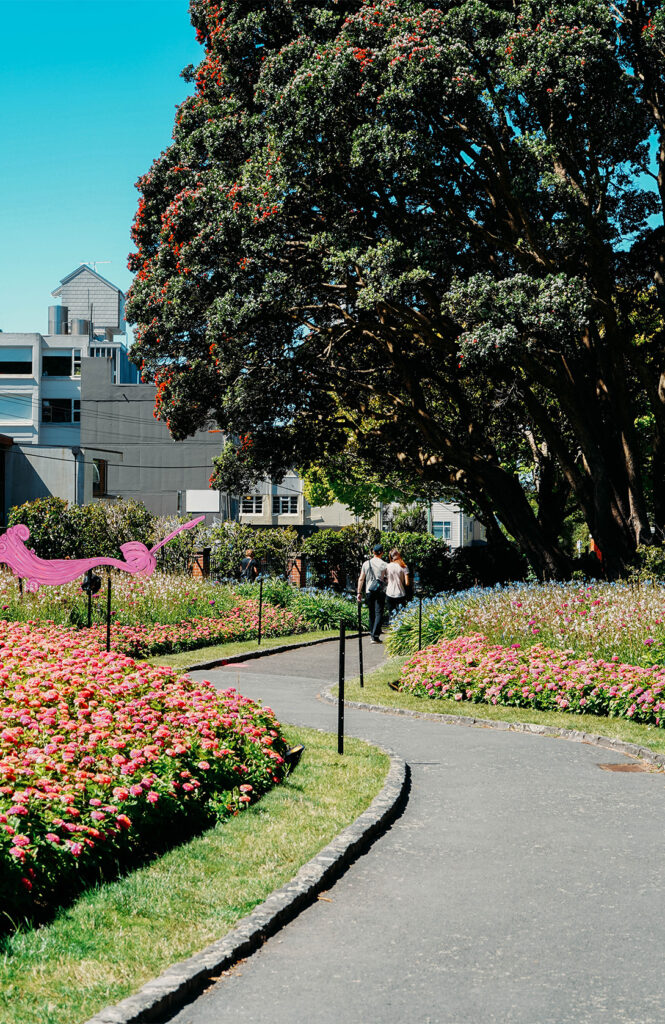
104 761
471 668
239 623
604 619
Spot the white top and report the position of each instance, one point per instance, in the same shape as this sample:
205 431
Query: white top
396 580
379 568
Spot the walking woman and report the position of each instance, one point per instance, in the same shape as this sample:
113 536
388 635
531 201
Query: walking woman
397 581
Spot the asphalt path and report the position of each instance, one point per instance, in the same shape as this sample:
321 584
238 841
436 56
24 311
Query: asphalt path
521 885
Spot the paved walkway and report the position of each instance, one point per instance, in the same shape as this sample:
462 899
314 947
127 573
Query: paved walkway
522 884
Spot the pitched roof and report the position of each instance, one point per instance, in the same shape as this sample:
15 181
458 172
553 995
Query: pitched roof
84 268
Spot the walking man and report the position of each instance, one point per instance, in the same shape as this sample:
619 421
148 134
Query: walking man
373 577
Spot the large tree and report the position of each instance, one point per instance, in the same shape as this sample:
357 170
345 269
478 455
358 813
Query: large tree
429 235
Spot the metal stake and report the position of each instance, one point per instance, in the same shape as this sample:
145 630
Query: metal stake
360 643
108 613
89 598
260 608
340 701
420 621
20 586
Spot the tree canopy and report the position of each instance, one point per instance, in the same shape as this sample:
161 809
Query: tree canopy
428 235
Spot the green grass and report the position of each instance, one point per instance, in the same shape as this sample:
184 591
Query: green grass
117 937
183 659
377 691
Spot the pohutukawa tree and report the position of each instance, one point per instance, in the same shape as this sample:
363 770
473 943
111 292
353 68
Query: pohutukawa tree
429 236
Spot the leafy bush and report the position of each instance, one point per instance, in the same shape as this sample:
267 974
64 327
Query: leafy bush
336 556
487 565
60 530
410 519
426 555
106 762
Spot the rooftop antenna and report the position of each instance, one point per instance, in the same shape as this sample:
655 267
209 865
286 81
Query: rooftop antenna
93 263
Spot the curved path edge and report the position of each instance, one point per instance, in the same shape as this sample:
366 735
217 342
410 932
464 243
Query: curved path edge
576 735
163 995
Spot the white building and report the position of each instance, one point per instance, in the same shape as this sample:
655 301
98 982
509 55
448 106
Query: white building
285 504
40 374
454 526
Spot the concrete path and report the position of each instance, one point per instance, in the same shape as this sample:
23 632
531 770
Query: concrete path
522 885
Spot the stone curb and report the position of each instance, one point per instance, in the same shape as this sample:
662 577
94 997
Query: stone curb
160 997
577 736
251 655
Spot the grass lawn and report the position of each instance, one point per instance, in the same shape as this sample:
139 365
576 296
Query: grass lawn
183 659
377 691
116 937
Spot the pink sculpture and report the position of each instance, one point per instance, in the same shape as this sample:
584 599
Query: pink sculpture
52 571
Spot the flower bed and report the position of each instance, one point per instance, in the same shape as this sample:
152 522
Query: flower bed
104 762
600 619
239 623
471 668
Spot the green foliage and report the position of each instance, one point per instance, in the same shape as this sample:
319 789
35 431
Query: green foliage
274 549
337 555
400 238
410 519
649 563
60 530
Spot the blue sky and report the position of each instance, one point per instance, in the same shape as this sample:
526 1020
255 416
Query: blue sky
88 92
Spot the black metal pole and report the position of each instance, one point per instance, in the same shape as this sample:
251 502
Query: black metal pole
360 643
340 700
260 608
20 586
420 621
89 598
108 613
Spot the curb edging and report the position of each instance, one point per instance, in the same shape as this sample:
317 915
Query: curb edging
251 655
575 735
183 980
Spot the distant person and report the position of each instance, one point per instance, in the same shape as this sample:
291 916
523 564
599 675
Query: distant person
249 567
373 577
397 582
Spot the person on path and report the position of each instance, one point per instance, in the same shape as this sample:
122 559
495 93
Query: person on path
249 567
396 583
373 576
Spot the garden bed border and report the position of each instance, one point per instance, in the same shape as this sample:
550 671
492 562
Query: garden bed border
576 735
162 996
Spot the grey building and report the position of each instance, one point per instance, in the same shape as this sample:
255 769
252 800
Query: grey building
130 454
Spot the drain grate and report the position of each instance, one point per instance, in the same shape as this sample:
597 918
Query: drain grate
637 766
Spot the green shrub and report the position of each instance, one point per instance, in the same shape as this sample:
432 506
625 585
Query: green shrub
337 555
60 530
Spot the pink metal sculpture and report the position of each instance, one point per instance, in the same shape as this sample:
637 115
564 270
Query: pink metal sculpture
52 571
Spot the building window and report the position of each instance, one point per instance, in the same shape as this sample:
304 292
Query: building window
443 529
76 363
15 407
59 365
99 477
285 505
15 361
252 505
61 410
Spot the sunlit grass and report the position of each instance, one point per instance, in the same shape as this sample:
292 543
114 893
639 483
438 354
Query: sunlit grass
116 937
